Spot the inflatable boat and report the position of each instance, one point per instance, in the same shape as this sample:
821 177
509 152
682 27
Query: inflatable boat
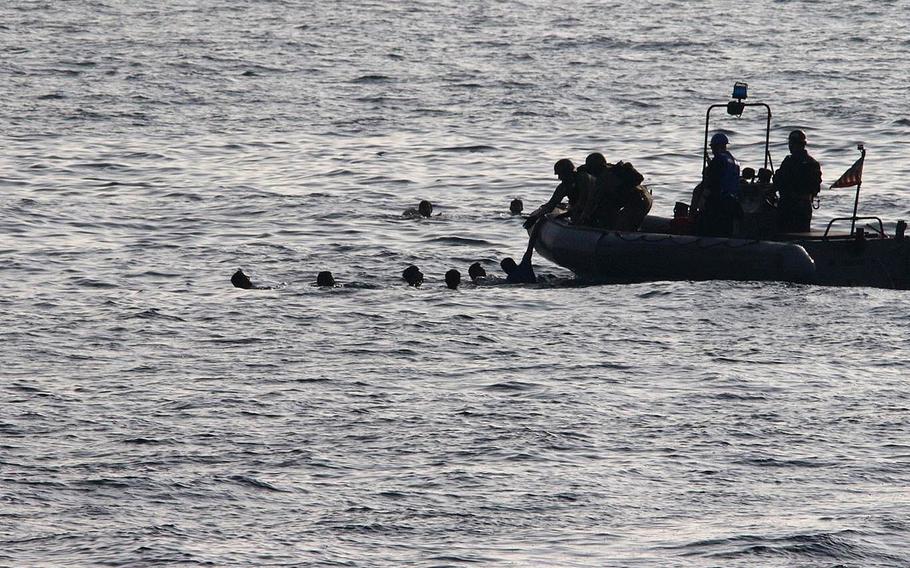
864 256
822 257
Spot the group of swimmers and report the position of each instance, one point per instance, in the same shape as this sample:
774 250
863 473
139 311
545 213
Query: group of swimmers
412 274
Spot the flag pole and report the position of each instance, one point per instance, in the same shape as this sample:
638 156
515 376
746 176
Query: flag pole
856 201
855 207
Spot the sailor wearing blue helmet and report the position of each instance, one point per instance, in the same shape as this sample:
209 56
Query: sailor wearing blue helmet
721 208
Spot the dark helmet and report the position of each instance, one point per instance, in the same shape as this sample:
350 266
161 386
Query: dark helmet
563 166
720 139
797 137
595 161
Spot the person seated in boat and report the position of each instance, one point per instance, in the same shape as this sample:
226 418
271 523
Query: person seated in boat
424 209
618 201
797 183
716 199
575 185
680 224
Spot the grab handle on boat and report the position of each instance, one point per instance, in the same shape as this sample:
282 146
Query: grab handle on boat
881 226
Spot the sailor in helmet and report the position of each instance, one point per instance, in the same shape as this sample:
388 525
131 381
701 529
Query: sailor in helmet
574 184
720 207
797 182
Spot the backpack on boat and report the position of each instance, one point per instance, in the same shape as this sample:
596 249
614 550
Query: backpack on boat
627 174
629 179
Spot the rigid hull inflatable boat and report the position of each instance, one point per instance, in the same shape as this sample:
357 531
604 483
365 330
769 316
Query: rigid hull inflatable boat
659 250
814 258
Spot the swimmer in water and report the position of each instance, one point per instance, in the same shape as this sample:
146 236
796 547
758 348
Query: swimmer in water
241 280
508 266
516 206
476 272
453 279
518 274
325 279
413 276
424 209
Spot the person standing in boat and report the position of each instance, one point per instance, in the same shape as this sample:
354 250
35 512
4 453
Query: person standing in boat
797 182
574 184
618 201
719 209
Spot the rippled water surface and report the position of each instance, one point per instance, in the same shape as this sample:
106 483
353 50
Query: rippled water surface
152 414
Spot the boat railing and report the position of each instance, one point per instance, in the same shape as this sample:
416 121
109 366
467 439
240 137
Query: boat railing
881 226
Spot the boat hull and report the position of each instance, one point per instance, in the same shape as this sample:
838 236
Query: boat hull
614 256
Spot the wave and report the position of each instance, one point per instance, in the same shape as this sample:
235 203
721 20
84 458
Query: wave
367 79
467 149
839 546
464 241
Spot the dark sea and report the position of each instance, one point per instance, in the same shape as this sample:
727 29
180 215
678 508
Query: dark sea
151 414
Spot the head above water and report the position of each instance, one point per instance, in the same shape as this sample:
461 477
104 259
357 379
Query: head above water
797 140
413 276
476 271
425 208
453 279
241 280
325 279
508 265
516 206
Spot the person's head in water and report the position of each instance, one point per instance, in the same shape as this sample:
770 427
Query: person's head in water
797 141
425 208
325 279
453 279
413 276
719 143
476 271
241 280
595 163
508 265
516 206
564 169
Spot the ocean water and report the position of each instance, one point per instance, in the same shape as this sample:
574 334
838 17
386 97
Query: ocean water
152 414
